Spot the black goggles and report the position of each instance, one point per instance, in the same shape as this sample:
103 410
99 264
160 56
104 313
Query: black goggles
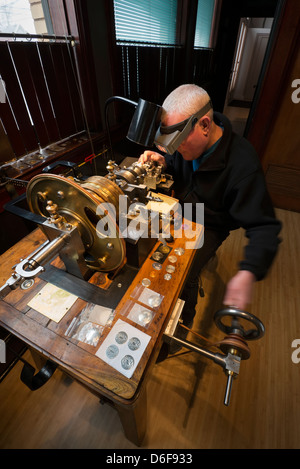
169 138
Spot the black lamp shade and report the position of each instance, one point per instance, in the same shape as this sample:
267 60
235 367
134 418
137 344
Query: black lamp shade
144 123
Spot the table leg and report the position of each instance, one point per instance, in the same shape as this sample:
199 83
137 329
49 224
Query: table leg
134 418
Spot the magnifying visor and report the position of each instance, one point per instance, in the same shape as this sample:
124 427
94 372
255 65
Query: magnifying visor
169 138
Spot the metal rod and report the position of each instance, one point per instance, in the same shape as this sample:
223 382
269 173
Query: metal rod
228 389
216 357
29 37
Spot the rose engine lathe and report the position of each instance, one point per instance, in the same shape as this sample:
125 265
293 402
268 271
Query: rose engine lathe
101 224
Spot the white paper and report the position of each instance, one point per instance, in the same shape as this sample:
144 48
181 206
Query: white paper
53 302
123 355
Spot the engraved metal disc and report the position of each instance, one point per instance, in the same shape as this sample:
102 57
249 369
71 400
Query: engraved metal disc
134 343
127 362
121 337
112 351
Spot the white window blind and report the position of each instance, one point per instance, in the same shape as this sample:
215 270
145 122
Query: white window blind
145 21
204 23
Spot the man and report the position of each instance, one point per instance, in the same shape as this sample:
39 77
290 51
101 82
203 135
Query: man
215 166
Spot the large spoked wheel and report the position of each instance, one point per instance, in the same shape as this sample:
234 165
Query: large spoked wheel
231 320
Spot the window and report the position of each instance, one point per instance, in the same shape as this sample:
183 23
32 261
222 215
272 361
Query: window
23 17
40 97
145 21
204 22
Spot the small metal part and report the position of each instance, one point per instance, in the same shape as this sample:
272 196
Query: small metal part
156 266
172 259
146 282
170 269
179 251
167 276
27 284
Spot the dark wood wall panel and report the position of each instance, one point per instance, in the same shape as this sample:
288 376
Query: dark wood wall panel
43 102
14 114
41 86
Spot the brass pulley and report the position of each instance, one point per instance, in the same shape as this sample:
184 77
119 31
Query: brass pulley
92 206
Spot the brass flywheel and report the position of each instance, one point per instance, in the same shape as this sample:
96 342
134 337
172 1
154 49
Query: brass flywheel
86 205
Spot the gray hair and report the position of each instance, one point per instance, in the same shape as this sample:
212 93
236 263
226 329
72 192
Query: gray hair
187 99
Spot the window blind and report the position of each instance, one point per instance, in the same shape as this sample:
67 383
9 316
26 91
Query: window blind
145 21
204 23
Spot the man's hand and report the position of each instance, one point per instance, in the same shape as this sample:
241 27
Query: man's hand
152 156
239 290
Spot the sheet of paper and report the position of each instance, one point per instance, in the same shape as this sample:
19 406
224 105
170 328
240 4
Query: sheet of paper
52 302
123 347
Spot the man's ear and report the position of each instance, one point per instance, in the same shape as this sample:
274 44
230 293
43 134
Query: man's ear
205 124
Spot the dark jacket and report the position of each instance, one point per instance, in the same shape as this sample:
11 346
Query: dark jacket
231 184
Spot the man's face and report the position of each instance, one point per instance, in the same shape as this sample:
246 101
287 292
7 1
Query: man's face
194 144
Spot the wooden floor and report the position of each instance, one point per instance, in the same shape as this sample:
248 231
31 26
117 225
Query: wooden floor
185 392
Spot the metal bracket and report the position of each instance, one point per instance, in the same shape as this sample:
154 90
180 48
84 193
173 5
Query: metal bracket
35 381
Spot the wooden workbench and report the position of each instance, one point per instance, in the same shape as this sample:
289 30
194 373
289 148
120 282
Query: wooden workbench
47 338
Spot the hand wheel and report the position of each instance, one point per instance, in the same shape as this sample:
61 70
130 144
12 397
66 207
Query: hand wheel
236 326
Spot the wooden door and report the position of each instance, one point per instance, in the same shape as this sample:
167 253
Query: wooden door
275 127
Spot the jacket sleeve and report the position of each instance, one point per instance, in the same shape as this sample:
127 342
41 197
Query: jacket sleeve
251 207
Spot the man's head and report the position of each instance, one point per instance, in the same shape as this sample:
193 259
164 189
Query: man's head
182 103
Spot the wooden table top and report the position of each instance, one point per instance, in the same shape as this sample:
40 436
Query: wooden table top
76 357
